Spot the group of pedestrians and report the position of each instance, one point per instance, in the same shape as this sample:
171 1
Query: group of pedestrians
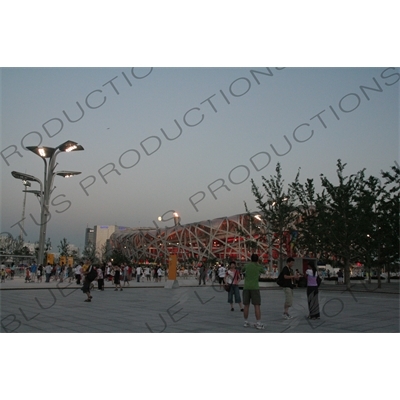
251 289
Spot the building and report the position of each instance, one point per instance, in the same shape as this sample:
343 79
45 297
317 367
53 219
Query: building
221 239
89 236
101 235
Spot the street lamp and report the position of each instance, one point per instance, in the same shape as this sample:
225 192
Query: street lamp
177 218
26 184
51 154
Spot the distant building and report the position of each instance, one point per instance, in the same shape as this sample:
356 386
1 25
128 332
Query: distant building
100 236
89 236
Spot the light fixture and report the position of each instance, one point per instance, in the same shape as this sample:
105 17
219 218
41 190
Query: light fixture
42 151
67 174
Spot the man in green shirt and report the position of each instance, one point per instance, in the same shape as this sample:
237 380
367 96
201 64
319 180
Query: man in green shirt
251 290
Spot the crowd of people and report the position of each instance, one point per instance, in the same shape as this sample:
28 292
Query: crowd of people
229 277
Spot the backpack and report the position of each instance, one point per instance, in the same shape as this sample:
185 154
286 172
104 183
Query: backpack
92 275
280 280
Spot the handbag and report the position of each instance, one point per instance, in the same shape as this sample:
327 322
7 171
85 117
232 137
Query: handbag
319 280
227 286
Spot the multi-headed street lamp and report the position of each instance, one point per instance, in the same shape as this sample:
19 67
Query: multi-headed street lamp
49 155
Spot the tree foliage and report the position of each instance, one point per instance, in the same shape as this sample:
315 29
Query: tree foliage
275 204
354 219
63 248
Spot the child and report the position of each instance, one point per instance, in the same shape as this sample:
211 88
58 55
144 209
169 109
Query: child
28 275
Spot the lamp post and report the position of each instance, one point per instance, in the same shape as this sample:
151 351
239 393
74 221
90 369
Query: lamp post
51 154
26 185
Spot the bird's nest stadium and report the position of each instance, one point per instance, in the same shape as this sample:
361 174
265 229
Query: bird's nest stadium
220 239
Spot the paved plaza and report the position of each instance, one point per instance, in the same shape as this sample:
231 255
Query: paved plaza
147 307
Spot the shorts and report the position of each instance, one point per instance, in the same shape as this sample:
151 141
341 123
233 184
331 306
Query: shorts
234 291
86 286
254 295
288 296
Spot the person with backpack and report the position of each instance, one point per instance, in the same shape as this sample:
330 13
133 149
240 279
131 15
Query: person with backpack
89 274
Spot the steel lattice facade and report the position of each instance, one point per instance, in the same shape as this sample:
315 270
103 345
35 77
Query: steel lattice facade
218 239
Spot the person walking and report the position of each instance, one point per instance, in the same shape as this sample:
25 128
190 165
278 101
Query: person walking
288 277
27 275
12 271
100 279
48 270
221 275
89 273
312 291
39 273
251 291
78 270
33 271
139 272
147 274
340 277
62 273
69 273
202 274
117 278
232 278
125 270
160 273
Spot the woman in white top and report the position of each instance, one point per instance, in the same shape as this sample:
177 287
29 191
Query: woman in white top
232 278
312 291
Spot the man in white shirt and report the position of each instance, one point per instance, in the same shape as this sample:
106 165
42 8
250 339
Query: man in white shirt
78 270
160 273
48 270
221 275
147 273
138 273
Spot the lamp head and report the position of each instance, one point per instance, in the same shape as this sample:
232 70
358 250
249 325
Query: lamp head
69 146
42 151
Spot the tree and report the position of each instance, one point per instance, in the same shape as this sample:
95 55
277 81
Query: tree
118 257
89 252
390 217
277 209
311 221
341 217
63 248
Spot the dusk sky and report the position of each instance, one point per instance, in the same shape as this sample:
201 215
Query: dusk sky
225 126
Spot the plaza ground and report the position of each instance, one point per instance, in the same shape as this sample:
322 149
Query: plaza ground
147 307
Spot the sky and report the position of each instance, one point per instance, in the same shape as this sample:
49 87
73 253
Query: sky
185 139
189 140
